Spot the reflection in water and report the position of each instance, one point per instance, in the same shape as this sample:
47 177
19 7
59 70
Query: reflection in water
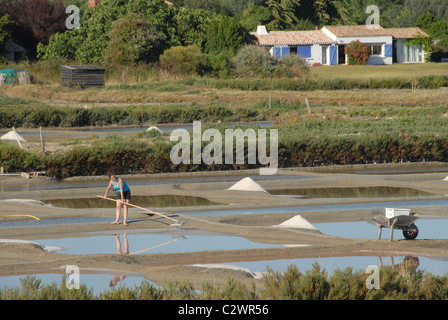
352 192
140 243
126 244
142 201
117 278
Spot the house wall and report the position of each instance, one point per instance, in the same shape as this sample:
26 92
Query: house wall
374 59
317 51
403 57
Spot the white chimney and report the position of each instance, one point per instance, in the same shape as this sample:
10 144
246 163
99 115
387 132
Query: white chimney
262 30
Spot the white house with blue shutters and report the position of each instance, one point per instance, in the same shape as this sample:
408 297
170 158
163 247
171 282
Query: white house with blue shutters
326 46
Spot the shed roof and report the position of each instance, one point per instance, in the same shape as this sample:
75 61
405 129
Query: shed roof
82 67
276 38
13 47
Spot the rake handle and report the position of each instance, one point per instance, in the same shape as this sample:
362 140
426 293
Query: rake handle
133 205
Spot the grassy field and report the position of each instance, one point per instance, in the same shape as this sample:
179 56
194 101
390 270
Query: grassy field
399 70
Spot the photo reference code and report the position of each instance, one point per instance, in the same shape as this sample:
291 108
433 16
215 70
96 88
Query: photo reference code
227 309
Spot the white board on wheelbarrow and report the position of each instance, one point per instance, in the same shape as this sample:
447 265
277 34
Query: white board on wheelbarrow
395 212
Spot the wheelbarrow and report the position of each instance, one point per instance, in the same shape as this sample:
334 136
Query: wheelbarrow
395 218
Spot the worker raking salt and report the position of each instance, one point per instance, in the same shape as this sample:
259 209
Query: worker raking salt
123 196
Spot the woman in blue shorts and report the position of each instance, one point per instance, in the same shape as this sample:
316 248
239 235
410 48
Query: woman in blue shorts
123 194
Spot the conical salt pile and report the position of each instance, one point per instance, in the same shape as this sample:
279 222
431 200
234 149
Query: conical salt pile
247 184
12 135
446 178
297 222
154 128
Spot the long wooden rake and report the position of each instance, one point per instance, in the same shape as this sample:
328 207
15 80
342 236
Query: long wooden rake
176 223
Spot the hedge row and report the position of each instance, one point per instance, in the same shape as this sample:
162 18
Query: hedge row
426 82
126 156
134 115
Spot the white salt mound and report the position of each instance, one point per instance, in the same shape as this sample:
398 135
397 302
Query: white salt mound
297 222
12 135
247 184
446 178
256 275
154 128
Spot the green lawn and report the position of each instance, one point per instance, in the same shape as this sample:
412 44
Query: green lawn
399 70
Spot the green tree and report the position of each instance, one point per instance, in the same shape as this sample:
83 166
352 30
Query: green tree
426 20
351 12
225 34
34 21
283 11
89 43
4 30
437 29
191 27
132 40
255 16
95 33
62 46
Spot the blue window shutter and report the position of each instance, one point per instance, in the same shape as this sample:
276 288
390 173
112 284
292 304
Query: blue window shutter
285 51
388 50
304 51
277 52
333 55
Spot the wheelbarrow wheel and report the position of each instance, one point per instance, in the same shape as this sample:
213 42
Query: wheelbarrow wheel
410 235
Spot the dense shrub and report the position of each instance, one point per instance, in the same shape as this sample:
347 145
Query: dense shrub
183 60
14 159
253 61
292 66
357 53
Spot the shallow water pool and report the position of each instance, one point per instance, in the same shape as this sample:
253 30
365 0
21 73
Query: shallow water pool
352 192
137 243
142 201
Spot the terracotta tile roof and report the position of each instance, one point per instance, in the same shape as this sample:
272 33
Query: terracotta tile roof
295 38
406 33
292 38
357 31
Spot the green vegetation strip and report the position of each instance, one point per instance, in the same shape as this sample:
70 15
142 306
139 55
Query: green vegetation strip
307 143
46 116
403 283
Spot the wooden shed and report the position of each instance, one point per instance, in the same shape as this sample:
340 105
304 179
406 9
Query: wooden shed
83 76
